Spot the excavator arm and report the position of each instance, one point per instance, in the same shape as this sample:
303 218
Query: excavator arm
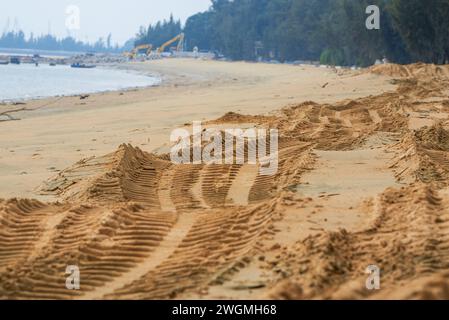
133 54
179 38
146 47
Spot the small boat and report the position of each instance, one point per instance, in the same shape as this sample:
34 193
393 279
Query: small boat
14 60
83 65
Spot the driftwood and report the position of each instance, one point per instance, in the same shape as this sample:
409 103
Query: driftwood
10 117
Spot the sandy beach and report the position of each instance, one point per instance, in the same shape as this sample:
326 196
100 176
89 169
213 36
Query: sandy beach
192 90
363 180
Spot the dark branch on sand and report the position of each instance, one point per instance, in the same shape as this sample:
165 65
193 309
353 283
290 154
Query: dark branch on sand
7 114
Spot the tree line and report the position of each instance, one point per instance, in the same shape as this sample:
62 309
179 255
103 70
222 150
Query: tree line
332 31
18 40
159 33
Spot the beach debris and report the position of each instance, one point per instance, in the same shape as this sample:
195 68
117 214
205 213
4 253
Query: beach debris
10 117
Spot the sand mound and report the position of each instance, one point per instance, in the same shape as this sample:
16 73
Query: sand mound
417 70
233 117
423 156
345 125
391 70
129 174
434 138
406 241
434 287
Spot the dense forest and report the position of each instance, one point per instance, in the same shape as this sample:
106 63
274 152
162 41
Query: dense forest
18 40
332 31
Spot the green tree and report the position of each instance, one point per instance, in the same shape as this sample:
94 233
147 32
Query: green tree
424 27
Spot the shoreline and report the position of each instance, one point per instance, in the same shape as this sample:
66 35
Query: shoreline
157 78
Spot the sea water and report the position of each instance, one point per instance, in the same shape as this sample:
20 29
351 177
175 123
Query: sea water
26 81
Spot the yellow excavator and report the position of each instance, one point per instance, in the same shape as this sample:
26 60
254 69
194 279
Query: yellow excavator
180 46
144 48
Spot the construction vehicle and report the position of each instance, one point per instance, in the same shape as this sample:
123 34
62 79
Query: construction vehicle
144 48
180 47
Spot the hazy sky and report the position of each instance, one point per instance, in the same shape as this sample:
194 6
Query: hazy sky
98 18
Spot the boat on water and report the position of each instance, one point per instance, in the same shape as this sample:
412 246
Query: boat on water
83 65
14 60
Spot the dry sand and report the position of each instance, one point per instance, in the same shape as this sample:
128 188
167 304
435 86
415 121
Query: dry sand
363 179
53 137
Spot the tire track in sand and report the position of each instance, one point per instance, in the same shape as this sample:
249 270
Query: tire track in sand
239 191
21 227
164 191
330 201
48 232
166 248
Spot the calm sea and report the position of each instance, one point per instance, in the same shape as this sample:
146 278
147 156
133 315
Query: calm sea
27 81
